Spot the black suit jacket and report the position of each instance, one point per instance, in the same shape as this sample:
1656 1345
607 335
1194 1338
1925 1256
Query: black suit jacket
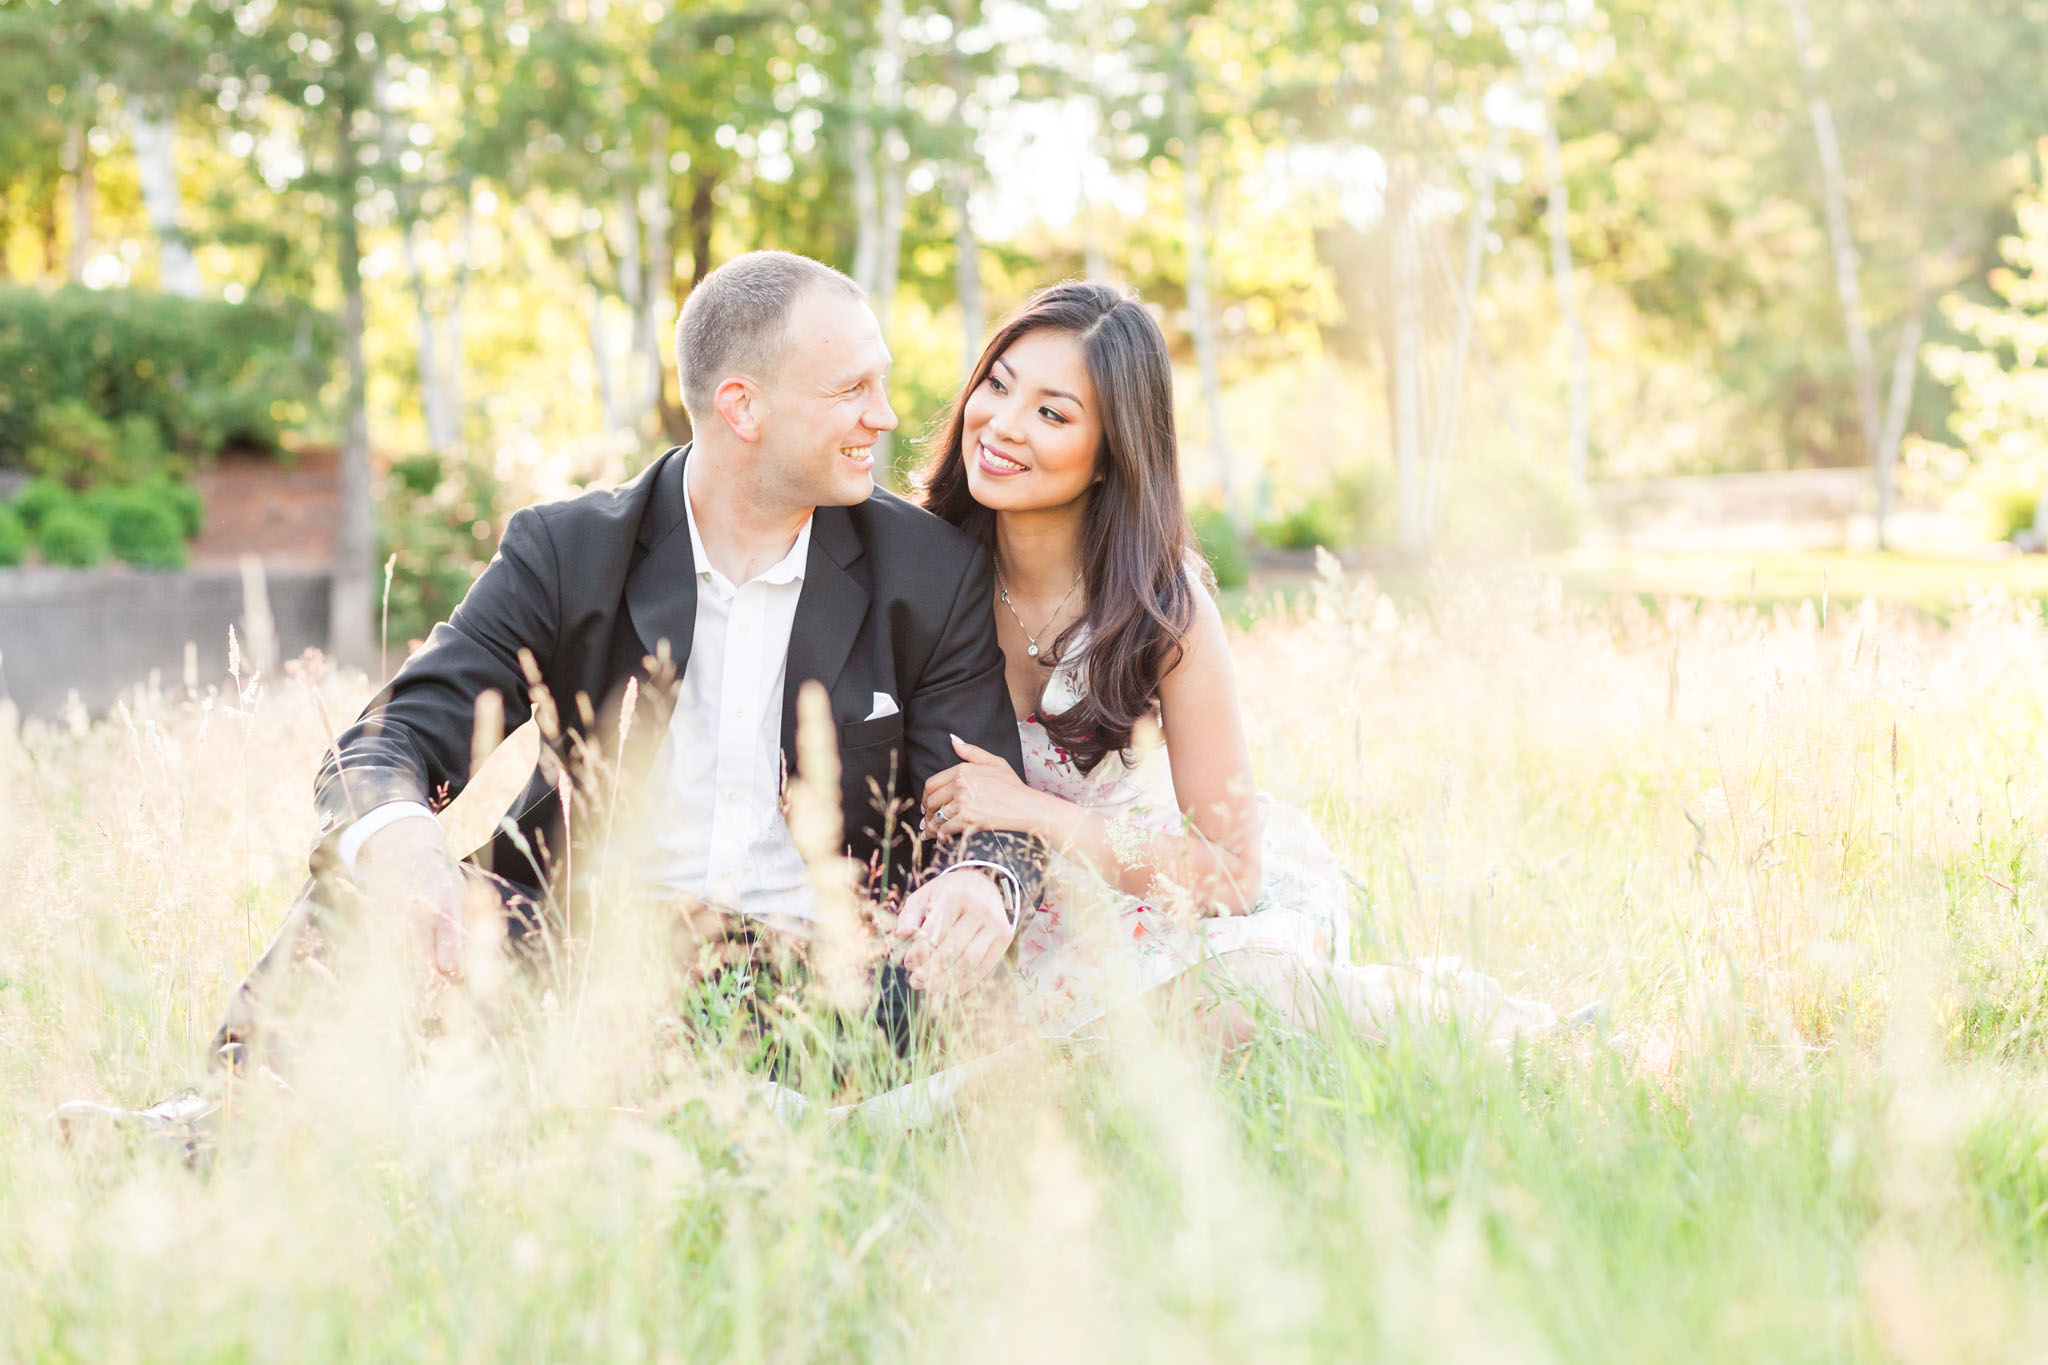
598 589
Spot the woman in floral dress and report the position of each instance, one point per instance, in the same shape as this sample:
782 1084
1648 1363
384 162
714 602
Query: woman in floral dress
1169 868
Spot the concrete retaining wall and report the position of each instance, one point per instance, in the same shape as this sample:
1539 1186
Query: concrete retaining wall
101 631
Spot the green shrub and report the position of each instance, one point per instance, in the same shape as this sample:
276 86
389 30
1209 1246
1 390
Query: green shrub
13 539
1304 527
38 500
184 501
418 475
435 534
72 539
1221 545
202 374
144 530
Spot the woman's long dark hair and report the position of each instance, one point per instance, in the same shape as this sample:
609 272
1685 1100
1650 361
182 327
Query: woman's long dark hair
1134 533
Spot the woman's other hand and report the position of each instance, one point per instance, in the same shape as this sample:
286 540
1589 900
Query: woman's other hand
981 792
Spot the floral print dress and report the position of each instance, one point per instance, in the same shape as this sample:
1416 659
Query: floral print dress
1089 945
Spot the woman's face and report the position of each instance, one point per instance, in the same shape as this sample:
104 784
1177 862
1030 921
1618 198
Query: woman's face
1031 432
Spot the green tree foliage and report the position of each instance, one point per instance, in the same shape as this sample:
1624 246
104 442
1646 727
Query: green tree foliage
2000 381
144 530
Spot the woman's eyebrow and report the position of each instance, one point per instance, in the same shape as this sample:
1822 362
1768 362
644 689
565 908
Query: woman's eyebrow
1073 398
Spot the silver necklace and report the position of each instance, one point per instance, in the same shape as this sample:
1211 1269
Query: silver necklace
1003 591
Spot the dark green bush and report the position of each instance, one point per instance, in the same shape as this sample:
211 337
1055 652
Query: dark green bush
200 373
184 501
144 530
39 499
72 539
13 539
1221 545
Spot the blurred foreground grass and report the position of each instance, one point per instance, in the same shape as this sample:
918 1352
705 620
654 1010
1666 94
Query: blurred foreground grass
1802 864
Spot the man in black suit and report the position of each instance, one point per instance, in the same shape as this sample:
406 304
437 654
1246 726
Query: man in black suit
711 589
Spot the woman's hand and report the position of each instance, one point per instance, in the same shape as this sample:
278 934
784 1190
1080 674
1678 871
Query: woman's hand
982 792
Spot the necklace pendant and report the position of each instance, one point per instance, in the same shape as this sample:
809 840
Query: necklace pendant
1032 650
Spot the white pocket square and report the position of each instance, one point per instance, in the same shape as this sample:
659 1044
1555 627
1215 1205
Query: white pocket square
885 705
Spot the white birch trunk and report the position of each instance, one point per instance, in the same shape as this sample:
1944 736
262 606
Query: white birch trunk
1201 315
78 160
661 263
967 272
453 371
156 170
1450 401
1848 285
600 345
1404 277
1558 217
432 390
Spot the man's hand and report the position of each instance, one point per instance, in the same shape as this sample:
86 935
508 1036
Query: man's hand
406 868
958 931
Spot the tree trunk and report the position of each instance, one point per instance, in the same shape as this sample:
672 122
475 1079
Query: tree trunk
1404 359
966 246
156 169
350 616
78 160
1558 216
600 347
1848 286
661 265
1201 316
431 391
967 273
633 288
454 376
1451 400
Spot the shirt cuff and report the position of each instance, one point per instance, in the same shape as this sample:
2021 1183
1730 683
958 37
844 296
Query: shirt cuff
351 840
1006 883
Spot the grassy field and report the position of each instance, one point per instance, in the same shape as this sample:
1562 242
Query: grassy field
1802 864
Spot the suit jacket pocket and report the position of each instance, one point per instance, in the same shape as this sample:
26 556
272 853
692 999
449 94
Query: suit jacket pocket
862 734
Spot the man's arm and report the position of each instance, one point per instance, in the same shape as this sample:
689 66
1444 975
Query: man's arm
412 743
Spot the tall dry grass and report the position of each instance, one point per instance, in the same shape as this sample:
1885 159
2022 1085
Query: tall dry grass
1800 860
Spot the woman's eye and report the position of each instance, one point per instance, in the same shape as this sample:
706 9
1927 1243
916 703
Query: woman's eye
1052 416
996 384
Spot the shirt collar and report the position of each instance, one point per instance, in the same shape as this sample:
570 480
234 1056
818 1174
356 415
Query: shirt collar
789 569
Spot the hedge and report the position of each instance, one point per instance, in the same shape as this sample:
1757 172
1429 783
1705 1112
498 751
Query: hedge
197 374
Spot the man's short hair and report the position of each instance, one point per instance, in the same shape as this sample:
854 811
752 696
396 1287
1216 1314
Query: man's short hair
737 321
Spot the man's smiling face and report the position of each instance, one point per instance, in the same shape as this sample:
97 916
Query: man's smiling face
830 403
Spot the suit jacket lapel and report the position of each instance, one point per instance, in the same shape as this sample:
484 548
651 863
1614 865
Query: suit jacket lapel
661 592
829 613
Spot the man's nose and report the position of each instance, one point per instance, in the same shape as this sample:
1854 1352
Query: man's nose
885 420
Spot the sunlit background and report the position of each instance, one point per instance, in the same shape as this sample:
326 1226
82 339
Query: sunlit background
1438 277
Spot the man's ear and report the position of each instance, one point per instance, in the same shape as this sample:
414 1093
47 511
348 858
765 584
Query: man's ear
739 404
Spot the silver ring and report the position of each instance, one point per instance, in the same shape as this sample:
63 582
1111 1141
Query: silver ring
940 815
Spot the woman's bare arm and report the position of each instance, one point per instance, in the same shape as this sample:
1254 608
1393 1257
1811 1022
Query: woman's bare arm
1216 856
